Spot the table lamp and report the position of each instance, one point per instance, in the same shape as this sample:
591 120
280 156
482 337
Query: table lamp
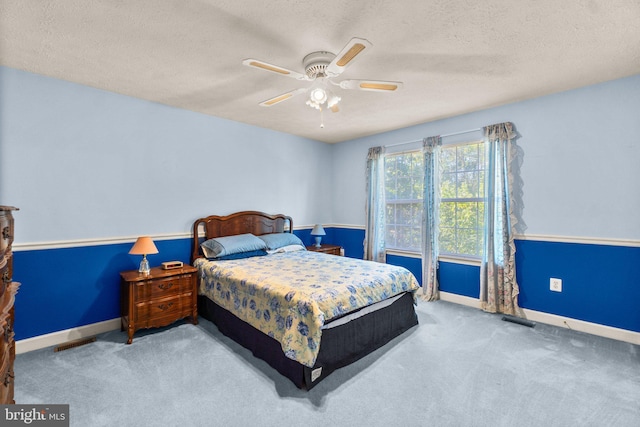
144 246
318 232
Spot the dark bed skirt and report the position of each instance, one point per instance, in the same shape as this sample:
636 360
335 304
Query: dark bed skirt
339 346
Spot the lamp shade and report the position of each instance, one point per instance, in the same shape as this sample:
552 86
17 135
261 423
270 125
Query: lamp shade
144 246
318 231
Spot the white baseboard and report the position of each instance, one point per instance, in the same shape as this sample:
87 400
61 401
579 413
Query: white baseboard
555 320
60 337
460 299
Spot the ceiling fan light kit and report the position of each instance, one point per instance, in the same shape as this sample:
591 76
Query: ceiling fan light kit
320 68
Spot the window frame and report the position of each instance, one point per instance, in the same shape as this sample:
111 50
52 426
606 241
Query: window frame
444 256
416 223
481 198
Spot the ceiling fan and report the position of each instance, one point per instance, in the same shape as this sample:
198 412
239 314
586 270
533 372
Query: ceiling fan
321 68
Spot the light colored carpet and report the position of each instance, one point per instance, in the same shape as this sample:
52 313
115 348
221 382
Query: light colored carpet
459 367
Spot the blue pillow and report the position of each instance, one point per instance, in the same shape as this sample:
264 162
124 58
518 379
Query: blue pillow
222 246
241 255
278 240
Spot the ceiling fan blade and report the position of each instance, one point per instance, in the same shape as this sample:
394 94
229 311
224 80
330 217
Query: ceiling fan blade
347 55
283 97
374 85
261 65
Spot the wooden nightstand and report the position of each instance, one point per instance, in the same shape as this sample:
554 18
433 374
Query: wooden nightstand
158 298
327 249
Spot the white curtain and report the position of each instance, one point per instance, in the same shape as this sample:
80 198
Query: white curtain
374 234
498 288
431 199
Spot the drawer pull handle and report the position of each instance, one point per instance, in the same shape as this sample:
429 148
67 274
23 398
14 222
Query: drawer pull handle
8 378
165 307
165 286
6 233
7 332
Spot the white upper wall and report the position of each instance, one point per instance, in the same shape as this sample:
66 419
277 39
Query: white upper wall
83 163
579 154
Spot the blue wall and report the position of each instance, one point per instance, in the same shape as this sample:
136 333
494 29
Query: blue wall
70 287
461 279
601 283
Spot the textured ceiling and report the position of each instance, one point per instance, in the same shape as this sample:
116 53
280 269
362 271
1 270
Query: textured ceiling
454 56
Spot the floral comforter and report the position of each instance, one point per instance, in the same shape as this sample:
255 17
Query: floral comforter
290 296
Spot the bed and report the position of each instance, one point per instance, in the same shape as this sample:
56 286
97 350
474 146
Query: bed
305 313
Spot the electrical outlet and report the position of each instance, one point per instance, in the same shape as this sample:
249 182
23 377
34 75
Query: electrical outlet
555 284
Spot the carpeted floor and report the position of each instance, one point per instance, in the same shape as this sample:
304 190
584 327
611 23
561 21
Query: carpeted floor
459 367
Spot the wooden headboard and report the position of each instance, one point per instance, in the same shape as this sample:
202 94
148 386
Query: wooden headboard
253 222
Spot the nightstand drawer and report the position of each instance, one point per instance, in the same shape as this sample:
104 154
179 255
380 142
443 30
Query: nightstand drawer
162 288
327 249
163 309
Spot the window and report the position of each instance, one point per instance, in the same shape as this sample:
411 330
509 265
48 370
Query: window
404 176
462 200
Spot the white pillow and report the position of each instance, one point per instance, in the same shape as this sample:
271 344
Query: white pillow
287 248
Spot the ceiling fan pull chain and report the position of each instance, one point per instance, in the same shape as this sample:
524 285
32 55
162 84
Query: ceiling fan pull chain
321 119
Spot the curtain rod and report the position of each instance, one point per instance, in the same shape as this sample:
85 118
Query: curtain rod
441 136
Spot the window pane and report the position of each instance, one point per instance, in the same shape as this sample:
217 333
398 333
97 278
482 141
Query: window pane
467 215
468 157
390 237
467 241
447 214
448 160
390 213
416 216
390 177
404 188
448 186
447 240
404 213
461 199
390 190
403 165
404 177
462 204
467 185
417 166
408 238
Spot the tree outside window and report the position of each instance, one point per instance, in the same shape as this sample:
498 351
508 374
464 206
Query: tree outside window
404 176
461 229
462 200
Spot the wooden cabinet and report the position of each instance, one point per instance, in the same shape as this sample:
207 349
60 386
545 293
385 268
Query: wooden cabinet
327 249
158 298
8 290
